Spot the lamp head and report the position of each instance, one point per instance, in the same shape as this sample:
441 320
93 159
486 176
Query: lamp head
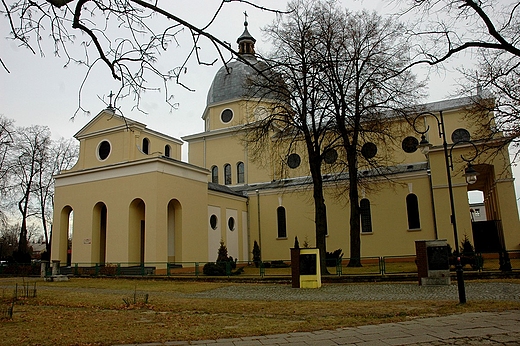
471 174
424 145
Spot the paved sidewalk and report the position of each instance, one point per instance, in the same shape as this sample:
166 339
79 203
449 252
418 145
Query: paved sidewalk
485 328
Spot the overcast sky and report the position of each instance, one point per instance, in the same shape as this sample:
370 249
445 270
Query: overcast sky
40 91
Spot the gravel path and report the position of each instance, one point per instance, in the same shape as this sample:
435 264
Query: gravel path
366 292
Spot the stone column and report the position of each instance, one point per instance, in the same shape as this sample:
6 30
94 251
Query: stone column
43 268
55 267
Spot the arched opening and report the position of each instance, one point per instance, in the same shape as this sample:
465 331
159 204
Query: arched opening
214 174
174 231
99 233
240 173
146 145
136 232
167 150
282 224
487 230
227 174
65 238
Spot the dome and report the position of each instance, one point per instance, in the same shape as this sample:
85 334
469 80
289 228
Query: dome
231 83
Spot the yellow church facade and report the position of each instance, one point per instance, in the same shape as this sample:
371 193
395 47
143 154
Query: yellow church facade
131 200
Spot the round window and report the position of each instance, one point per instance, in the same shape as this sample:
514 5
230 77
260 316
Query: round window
231 224
330 156
410 144
226 115
293 161
369 150
103 150
213 221
460 135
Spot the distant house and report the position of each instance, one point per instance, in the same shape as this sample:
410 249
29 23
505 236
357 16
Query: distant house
478 212
37 249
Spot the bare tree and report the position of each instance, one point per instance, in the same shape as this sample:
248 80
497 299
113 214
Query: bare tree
490 30
27 162
368 82
444 28
300 119
8 240
346 77
6 144
58 156
127 36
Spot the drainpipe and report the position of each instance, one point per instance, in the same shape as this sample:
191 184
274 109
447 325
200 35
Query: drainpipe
248 235
204 154
433 201
259 229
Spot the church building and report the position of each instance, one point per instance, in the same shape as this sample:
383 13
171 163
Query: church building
131 200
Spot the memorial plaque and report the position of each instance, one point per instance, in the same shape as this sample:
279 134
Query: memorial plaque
307 264
438 258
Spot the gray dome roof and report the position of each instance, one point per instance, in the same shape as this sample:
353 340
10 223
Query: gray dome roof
231 83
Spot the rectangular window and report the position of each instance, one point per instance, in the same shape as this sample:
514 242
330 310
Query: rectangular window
282 224
366 219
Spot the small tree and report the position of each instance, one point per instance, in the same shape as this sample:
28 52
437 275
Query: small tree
257 257
220 268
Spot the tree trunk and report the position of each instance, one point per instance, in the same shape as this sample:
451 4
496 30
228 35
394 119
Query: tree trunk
355 229
320 210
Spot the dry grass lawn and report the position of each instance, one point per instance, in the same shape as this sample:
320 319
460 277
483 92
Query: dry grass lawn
92 312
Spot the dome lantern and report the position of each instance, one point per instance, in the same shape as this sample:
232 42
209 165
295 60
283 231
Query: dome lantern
246 42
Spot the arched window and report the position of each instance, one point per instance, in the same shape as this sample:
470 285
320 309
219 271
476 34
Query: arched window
167 150
240 173
412 209
282 223
214 174
146 145
227 174
366 218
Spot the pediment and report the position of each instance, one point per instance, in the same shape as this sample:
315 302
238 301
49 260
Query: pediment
107 121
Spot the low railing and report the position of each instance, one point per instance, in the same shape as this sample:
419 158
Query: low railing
370 266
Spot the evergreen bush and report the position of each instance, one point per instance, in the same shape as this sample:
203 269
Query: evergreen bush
223 261
256 254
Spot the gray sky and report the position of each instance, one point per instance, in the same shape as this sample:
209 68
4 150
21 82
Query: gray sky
40 91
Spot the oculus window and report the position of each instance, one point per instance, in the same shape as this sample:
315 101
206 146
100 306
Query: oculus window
231 223
410 144
330 156
460 135
412 209
369 150
293 160
213 221
226 115
103 150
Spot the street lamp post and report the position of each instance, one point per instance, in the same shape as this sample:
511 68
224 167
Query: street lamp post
471 177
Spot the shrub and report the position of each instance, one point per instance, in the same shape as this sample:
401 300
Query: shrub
467 255
223 260
256 254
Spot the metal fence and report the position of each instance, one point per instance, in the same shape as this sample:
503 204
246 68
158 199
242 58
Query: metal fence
370 266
